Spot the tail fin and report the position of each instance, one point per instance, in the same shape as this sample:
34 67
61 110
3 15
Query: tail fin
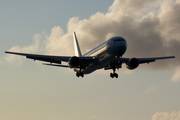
76 46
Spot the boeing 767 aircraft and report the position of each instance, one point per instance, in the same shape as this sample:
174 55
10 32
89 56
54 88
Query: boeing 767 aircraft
107 55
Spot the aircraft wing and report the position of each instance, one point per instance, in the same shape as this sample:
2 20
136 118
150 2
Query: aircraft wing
145 60
53 59
118 62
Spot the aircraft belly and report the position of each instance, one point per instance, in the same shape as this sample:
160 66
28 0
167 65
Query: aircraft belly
90 69
100 63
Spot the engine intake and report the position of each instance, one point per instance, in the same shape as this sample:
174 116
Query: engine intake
74 61
132 63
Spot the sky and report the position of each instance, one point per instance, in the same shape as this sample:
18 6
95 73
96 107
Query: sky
32 91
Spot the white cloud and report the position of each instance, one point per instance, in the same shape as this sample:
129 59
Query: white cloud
59 43
166 116
176 76
132 8
151 89
26 49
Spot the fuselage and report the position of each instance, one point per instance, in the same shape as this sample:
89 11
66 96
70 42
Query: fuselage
105 53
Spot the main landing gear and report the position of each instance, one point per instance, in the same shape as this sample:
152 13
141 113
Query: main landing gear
79 74
112 75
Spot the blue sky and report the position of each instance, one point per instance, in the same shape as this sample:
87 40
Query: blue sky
31 91
32 17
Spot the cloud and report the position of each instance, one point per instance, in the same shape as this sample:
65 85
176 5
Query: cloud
151 89
166 116
176 76
59 43
131 8
151 28
36 46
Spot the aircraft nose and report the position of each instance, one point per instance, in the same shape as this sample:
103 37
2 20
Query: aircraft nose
117 48
121 48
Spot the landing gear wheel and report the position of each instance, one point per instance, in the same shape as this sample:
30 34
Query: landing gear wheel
79 74
116 75
111 75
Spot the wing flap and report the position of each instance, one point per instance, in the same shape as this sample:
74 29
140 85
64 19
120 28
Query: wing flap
51 60
47 58
54 59
57 65
145 60
117 63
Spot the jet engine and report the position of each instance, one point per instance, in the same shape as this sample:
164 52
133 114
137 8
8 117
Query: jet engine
132 63
74 61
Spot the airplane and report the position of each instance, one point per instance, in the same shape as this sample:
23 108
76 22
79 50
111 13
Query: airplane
107 55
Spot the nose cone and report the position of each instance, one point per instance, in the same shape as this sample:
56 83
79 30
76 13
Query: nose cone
117 48
120 48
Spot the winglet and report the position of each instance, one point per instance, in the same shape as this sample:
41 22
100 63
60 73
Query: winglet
76 46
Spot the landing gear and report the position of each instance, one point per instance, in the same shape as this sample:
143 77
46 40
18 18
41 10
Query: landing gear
112 75
79 74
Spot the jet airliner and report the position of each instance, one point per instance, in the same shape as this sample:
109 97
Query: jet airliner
107 55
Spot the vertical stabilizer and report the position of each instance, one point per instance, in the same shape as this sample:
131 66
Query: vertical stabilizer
76 46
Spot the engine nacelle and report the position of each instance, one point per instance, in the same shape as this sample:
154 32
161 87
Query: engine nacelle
132 63
74 61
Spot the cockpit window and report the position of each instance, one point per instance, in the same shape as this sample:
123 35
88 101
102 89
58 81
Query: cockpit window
118 40
114 40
